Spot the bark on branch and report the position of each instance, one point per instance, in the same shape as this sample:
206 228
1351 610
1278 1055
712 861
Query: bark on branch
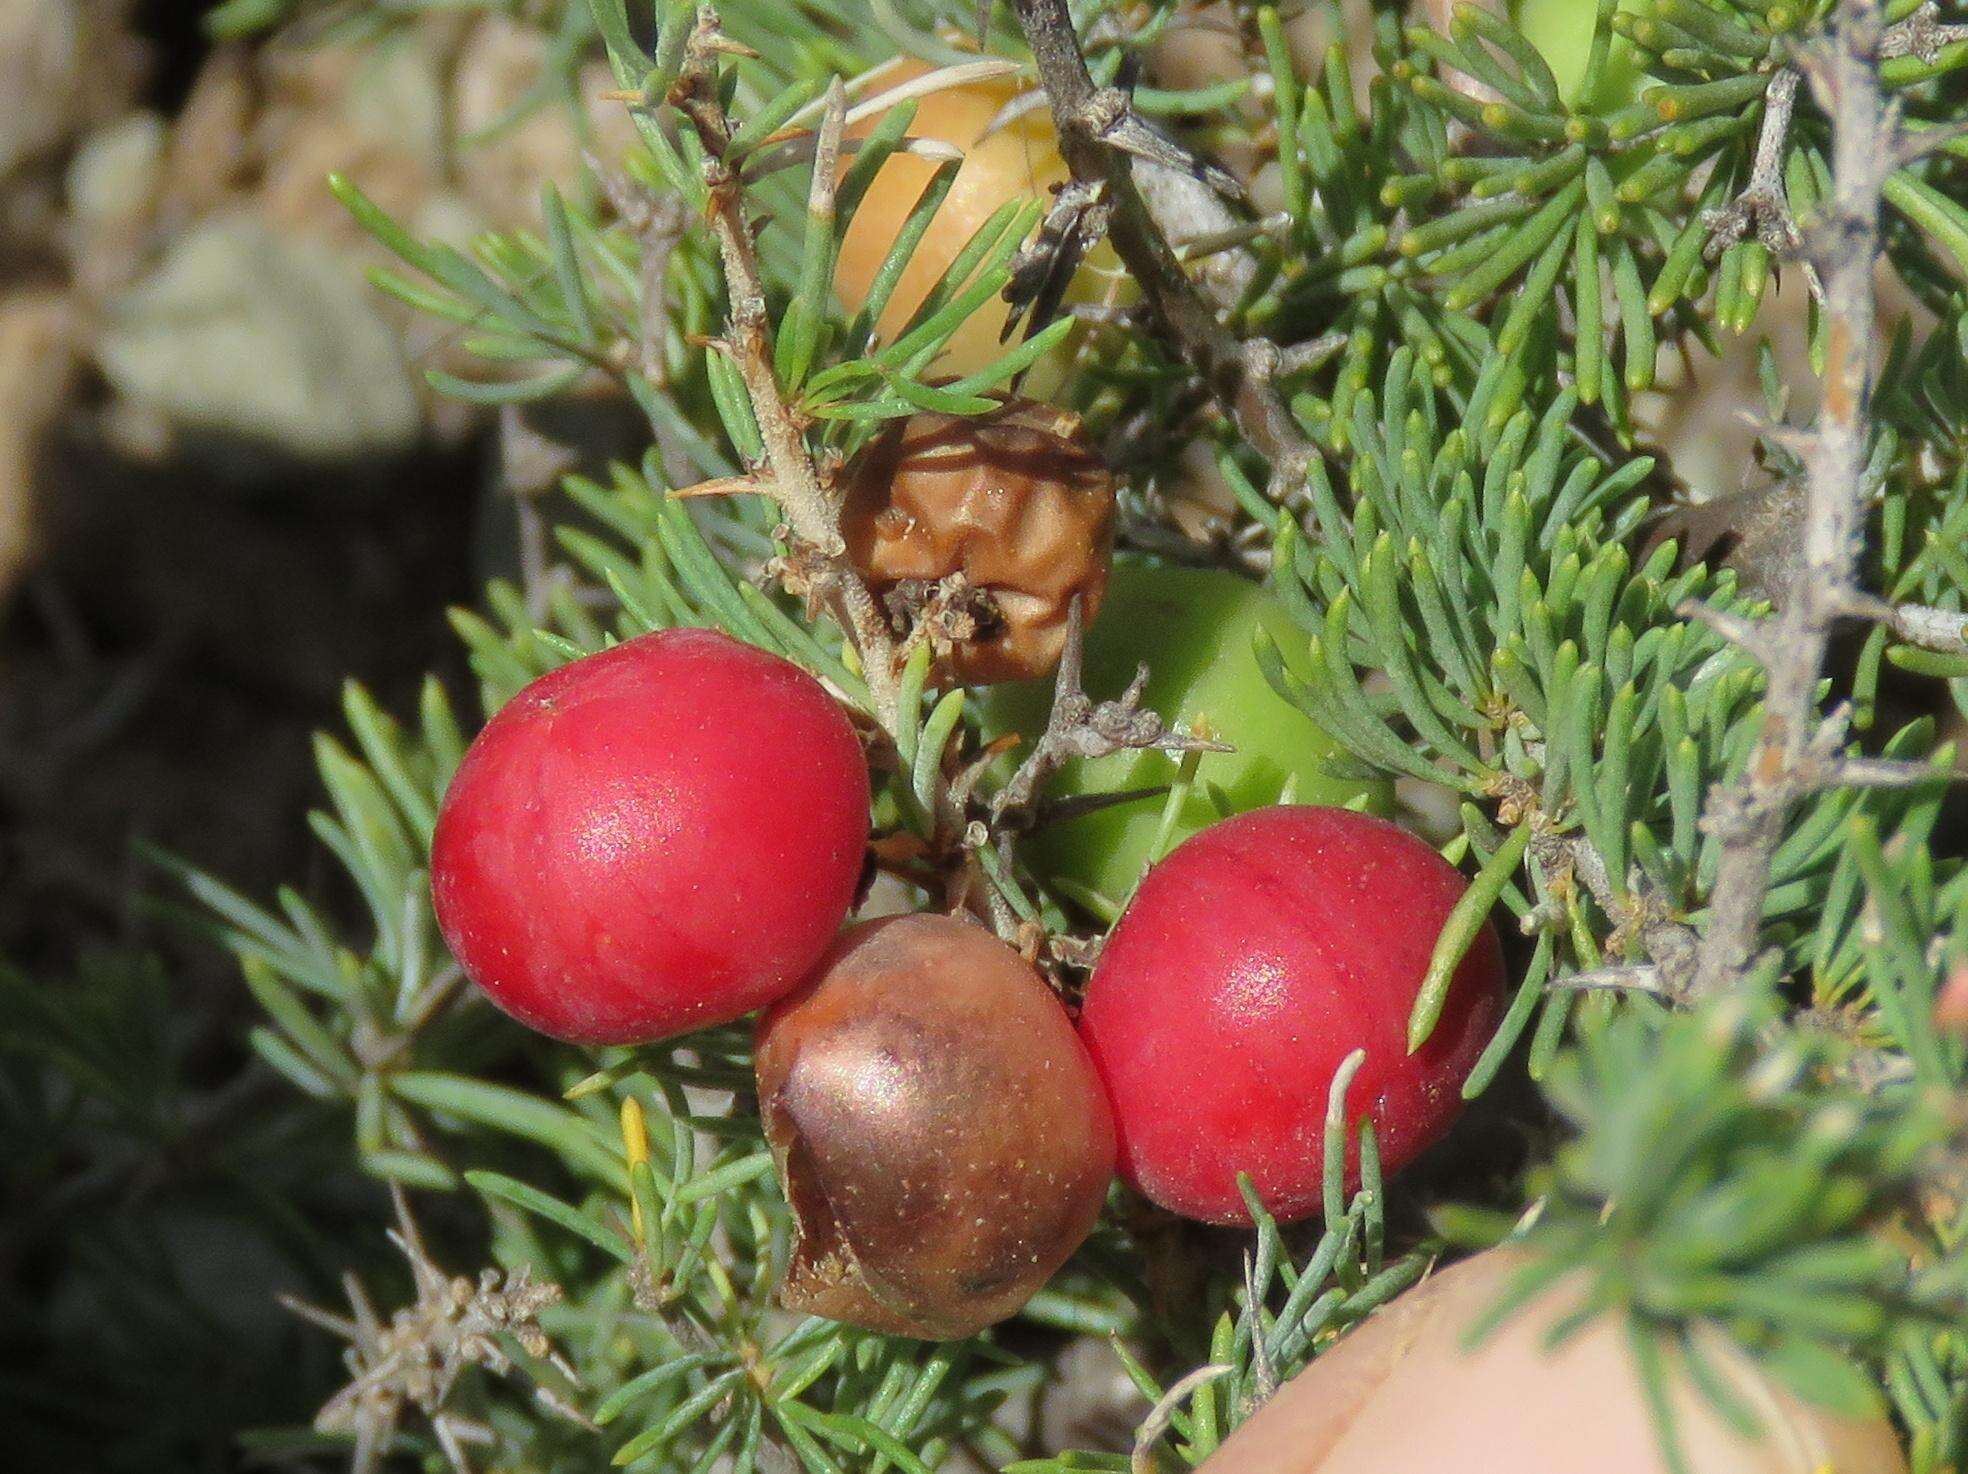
791 478
1086 117
1751 813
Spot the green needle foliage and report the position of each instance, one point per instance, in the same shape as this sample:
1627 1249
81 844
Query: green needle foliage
151 1204
1732 1169
1470 270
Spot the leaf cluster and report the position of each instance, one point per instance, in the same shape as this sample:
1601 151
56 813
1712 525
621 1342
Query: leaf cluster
1467 288
1732 1169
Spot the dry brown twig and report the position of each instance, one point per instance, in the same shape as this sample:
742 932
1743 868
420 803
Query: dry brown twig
789 475
1095 125
416 1358
1750 814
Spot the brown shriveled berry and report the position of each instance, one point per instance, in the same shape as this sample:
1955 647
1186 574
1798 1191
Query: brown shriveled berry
941 1136
1013 505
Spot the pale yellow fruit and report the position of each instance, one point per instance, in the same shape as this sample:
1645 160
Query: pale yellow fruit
1019 161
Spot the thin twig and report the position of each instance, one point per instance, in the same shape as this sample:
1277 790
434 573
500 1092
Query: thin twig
1162 1414
657 222
1879 772
1639 913
1077 727
1917 144
532 464
1313 353
1088 118
1750 815
1264 1373
791 479
1080 727
1763 206
1640 978
1750 636
1945 630
1921 35
414 1361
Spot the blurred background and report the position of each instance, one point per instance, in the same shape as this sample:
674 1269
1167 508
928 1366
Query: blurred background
224 487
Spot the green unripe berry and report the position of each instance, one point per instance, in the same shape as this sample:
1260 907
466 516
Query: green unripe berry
1562 32
1194 628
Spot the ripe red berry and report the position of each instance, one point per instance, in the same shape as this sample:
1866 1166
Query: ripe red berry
1250 963
655 838
939 1131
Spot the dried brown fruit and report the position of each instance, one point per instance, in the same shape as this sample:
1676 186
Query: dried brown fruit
940 1133
1014 504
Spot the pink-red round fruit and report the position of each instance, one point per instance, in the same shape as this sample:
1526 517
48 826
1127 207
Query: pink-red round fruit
655 838
1250 964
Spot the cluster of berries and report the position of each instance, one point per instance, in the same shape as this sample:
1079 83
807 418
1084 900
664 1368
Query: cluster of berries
670 834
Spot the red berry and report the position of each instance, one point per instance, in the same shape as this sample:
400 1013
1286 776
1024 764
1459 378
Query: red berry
655 838
1250 963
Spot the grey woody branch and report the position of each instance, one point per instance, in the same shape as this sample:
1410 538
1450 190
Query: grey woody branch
791 479
1639 914
1945 630
1094 125
1922 34
1749 814
1763 207
1080 727
1642 977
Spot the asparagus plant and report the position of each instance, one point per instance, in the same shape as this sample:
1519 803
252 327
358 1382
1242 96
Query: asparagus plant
1410 338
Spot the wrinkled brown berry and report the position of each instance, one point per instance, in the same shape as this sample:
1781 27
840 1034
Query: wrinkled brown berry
1014 505
940 1133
